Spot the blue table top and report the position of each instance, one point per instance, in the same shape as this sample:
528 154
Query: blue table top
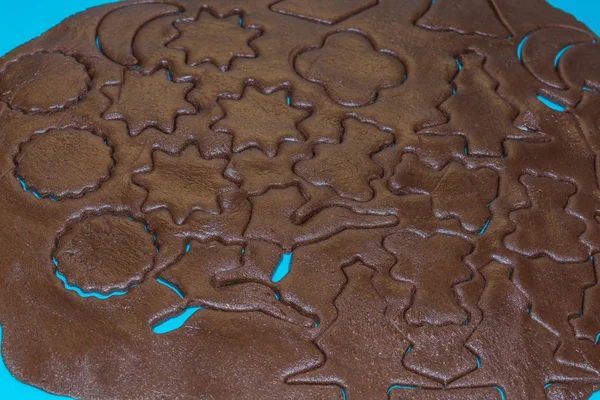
41 15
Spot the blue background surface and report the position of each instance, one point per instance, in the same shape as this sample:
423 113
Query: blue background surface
17 27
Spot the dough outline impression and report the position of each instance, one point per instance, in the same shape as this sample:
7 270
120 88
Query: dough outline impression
49 172
320 69
409 257
14 100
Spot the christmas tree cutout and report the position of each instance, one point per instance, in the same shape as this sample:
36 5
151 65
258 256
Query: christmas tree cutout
507 335
465 17
381 345
478 113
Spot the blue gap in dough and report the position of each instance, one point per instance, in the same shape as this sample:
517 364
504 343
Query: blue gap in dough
80 292
546 101
282 268
12 388
402 387
176 321
33 192
550 104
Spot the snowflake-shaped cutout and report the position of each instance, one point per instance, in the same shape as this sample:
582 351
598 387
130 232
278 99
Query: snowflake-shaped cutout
148 101
218 40
184 183
261 120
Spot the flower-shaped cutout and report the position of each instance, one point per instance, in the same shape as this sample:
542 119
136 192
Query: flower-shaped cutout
215 39
350 68
43 83
105 253
184 183
148 101
261 120
64 163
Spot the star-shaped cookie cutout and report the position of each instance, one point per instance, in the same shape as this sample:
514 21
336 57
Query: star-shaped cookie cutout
214 39
261 120
148 101
184 183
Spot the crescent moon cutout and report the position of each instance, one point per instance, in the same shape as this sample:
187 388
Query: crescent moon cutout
116 44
